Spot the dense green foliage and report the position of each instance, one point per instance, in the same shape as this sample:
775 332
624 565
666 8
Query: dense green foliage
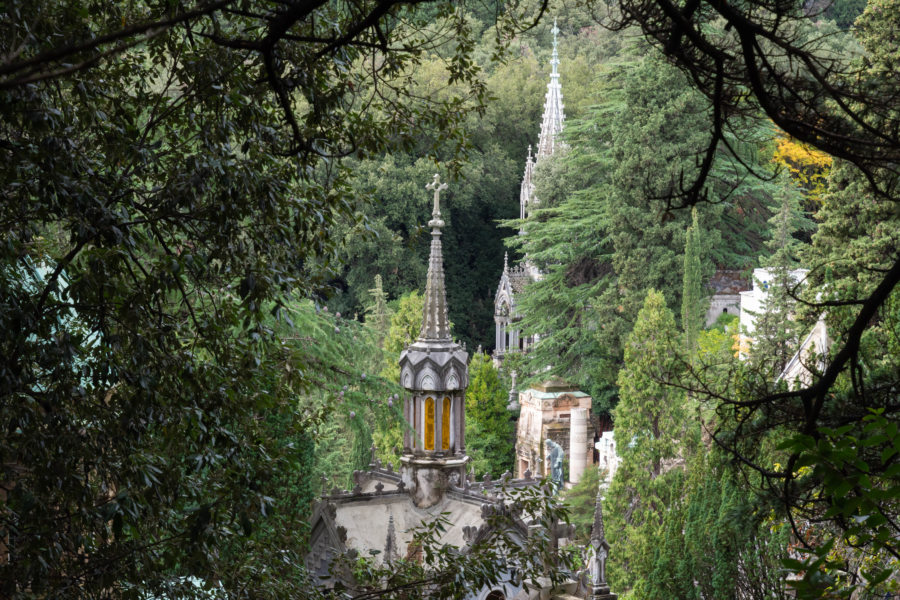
693 305
682 524
600 236
171 192
183 185
581 500
490 430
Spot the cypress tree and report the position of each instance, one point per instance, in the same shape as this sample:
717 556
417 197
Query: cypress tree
692 297
653 432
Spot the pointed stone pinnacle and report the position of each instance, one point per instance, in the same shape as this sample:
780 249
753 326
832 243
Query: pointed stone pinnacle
598 533
552 120
435 324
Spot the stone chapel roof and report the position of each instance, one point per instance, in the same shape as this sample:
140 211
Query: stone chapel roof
363 518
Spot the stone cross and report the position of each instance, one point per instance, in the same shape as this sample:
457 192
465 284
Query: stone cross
438 187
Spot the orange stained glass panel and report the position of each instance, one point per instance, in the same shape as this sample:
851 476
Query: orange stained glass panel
445 425
429 424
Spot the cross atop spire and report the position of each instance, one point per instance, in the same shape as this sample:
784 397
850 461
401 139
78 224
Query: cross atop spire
438 187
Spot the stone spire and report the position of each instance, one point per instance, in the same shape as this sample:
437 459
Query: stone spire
598 532
552 121
434 372
435 325
527 190
599 554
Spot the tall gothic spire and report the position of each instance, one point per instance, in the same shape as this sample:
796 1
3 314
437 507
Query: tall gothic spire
435 325
552 121
599 554
598 532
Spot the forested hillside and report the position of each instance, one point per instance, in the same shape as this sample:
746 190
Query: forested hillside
214 245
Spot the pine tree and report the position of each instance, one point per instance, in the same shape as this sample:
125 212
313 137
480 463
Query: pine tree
693 304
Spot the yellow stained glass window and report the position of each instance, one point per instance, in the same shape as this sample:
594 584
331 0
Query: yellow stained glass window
445 425
429 424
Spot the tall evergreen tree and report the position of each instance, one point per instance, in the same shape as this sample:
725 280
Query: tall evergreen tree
693 300
653 435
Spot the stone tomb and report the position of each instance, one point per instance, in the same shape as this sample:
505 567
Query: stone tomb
554 410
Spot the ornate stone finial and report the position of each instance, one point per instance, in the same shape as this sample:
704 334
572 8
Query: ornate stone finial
438 187
530 156
324 486
379 487
372 455
505 262
401 486
527 474
599 552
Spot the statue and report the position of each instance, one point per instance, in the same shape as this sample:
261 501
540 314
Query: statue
555 455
